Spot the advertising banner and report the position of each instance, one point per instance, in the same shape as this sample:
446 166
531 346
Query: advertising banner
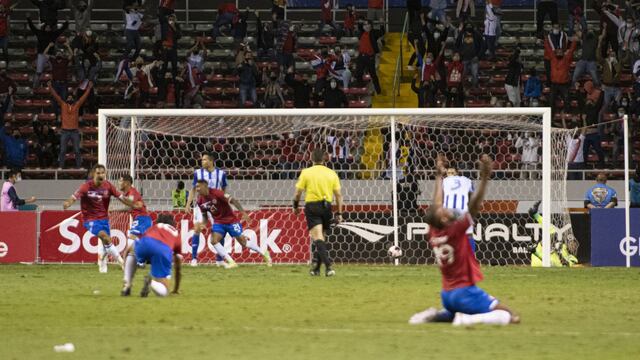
18 237
609 247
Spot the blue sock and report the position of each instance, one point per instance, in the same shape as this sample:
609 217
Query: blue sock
218 257
443 315
195 242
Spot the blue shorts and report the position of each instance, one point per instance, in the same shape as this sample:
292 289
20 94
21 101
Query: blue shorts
140 225
234 230
95 226
157 253
468 300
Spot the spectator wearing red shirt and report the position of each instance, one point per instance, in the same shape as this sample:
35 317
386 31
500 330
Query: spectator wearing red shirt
60 72
326 8
375 10
5 11
170 46
166 8
367 49
455 92
143 78
560 73
285 56
350 19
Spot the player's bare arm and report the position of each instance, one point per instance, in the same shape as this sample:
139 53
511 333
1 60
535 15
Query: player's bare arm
190 200
125 200
296 201
438 195
177 265
70 201
337 194
486 165
238 206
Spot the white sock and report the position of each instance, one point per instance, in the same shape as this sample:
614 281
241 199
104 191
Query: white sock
129 268
222 252
101 252
253 245
159 288
495 317
111 250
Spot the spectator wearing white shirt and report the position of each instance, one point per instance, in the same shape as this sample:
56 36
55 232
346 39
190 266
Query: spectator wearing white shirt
530 157
133 19
575 156
490 29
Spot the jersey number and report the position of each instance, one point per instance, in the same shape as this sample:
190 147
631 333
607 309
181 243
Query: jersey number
457 185
236 228
444 254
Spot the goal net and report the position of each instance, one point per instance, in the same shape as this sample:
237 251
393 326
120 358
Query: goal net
386 162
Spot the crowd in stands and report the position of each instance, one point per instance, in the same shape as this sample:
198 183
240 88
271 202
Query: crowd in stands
587 74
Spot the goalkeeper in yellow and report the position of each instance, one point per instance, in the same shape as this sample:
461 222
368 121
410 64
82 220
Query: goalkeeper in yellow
560 254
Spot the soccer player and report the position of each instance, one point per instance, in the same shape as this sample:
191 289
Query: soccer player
216 179
320 185
141 223
560 254
160 246
457 192
95 195
464 303
218 204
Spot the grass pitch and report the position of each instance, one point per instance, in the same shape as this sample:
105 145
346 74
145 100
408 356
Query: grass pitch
282 313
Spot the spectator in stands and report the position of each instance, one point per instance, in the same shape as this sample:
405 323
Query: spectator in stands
166 8
609 27
334 97
5 12
576 16
8 88
273 97
350 19
533 88
16 148
560 79
465 10
60 72
438 8
416 39
340 68
611 72
287 48
301 89
546 7
228 16
240 30
46 145
45 35
49 11
575 156
469 46
530 158
70 123
627 34
277 9
587 61
421 88
634 188
338 148
144 81
367 49
88 60
600 195
616 130
9 200
267 41
248 73
428 80
590 101
82 14
512 81
455 91
170 46
326 9
133 21
321 64
375 11
557 39
490 29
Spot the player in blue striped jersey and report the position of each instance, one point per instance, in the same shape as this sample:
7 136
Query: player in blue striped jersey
457 191
216 179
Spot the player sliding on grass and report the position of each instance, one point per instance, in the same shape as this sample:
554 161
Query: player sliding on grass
95 195
160 246
464 303
218 204
141 223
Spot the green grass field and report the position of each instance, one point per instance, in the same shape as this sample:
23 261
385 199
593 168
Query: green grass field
281 313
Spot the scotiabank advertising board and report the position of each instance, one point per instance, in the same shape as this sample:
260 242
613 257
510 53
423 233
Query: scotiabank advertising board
63 238
17 237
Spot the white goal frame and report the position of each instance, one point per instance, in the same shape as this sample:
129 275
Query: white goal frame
544 112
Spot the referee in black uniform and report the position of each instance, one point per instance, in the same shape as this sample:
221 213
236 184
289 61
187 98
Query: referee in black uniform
320 185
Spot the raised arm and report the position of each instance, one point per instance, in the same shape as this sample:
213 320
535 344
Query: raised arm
475 203
438 195
84 96
55 95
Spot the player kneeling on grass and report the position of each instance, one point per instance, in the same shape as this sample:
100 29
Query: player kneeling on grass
160 246
464 303
217 203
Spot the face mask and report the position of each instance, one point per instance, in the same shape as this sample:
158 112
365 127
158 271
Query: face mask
436 36
333 85
429 61
367 28
456 58
19 178
534 103
625 103
620 113
556 31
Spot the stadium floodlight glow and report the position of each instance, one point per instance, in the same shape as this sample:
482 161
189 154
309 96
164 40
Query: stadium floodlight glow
158 146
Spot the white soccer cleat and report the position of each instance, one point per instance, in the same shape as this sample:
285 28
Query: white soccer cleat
459 320
423 316
267 259
194 262
221 263
230 265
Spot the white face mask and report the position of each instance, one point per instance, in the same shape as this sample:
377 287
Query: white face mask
620 113
436 35
556 31
18 179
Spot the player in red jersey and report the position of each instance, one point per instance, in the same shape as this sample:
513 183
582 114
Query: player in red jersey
95 195
464 303
218 204
160 246
141 222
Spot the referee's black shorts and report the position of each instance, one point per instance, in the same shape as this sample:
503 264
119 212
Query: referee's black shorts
318 212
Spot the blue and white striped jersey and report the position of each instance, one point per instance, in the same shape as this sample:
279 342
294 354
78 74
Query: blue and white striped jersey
456 191
217 178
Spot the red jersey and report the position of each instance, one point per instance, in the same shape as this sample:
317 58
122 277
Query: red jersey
217 204
94 200
134 195
168 4
4 22
453 254
350 20
326 6
365 47
166 234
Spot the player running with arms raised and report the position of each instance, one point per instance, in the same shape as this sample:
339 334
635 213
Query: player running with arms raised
95 195
141 223
464 303
457 191
160 246
218 204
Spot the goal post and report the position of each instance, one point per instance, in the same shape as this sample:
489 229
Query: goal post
387 149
